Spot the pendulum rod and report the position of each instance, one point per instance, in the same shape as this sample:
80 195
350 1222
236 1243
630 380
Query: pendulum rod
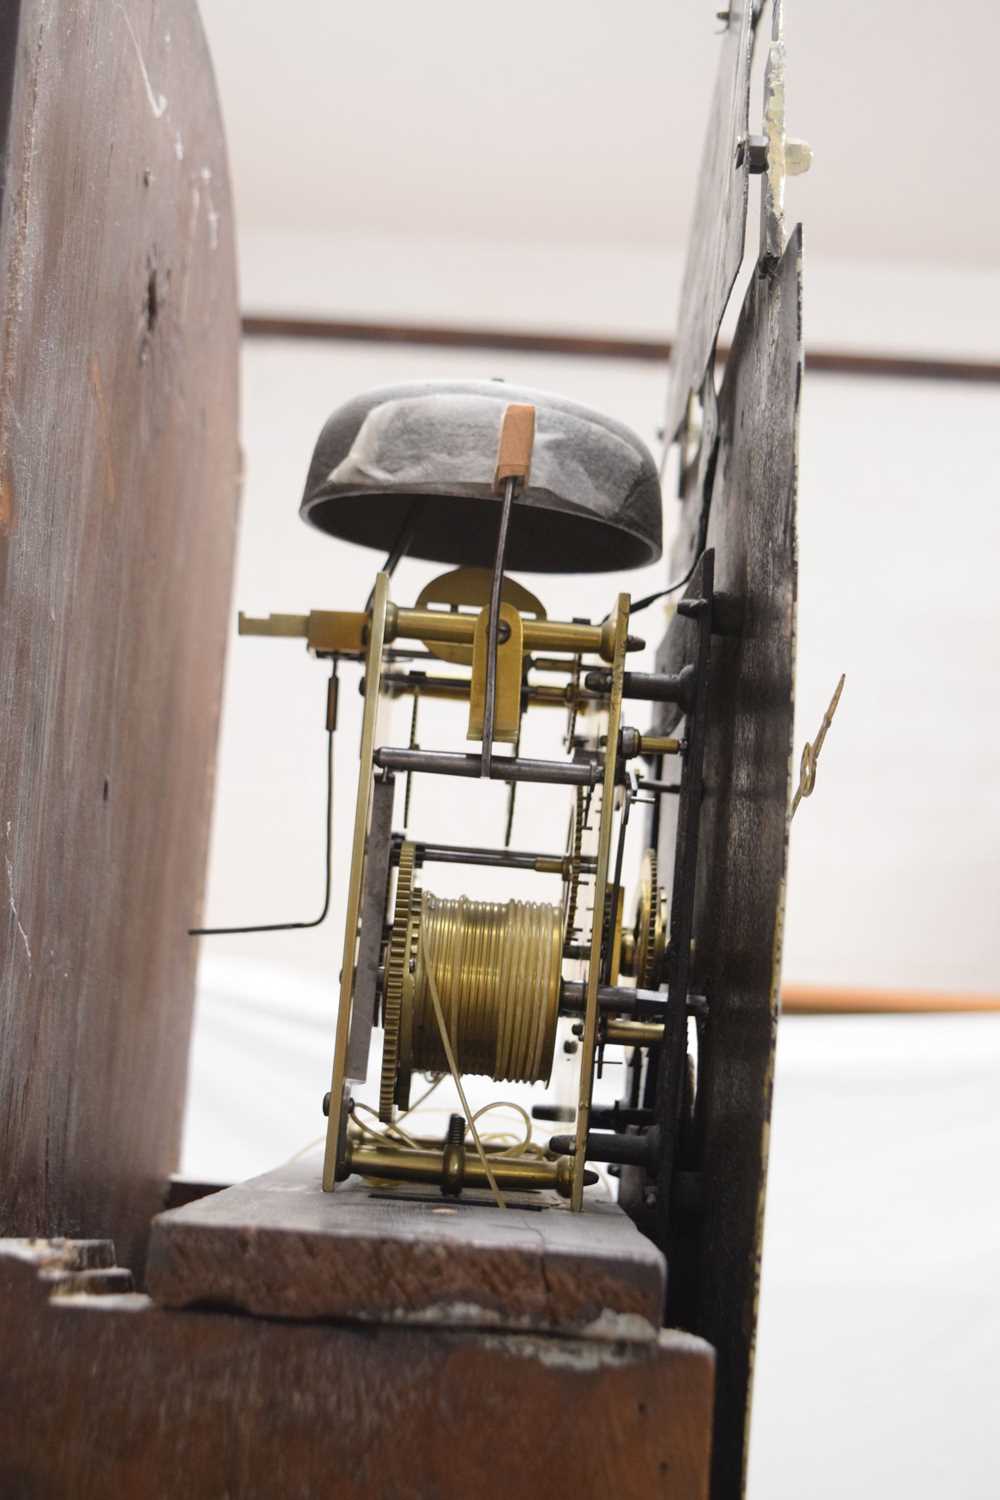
493 631
517 439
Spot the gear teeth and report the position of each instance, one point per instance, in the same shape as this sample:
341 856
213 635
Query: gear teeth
648 924
395 976
573 894
649 965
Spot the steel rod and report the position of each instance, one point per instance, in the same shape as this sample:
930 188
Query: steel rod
618 1117
515 859
534 695
613 998
652 687
602 1116
455 763
626 1150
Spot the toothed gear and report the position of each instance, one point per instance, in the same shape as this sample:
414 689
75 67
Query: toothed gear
574 705
650 927
396 969
613 929
578 824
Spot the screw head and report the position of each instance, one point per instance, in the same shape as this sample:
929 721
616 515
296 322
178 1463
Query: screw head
751 151
757 153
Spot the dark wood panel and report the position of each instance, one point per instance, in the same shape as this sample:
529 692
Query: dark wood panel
280 1246
718 227
118 485
109 1398
714 1257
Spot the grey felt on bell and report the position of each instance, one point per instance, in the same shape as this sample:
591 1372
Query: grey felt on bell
592 502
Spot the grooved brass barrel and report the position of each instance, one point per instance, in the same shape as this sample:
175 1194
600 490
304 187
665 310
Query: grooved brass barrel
497 968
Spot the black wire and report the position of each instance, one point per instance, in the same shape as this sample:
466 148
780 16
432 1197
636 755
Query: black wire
401 544
293 926
662 593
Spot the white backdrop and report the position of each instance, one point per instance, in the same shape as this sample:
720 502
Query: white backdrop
878 1375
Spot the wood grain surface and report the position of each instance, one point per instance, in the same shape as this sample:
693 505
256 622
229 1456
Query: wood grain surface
119 472
718 228
109 1398
280 1246
835 1000
714 1258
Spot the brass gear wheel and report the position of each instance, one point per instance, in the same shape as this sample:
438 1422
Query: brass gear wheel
397 969
650 925
574 704
571 892
613 929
